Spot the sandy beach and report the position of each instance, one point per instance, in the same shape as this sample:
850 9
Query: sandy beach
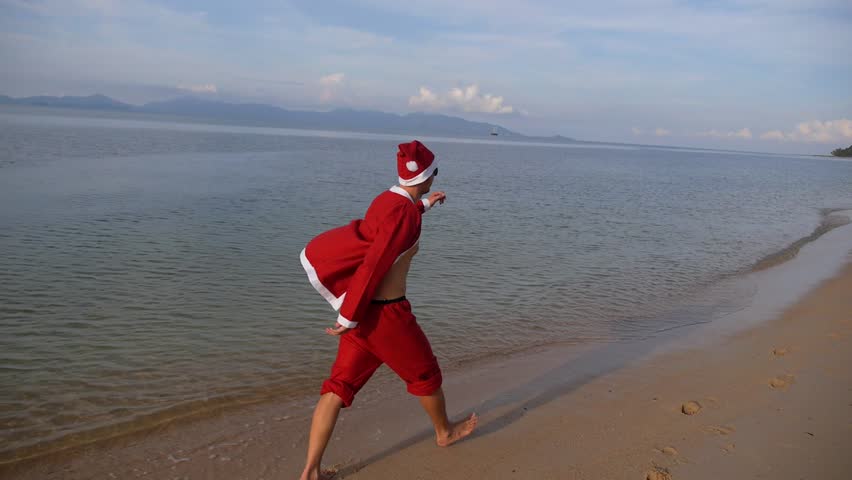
772 401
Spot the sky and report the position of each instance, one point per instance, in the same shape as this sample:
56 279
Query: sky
765 75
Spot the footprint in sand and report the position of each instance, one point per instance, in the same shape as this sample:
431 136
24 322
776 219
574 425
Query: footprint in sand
658 473
720 430
670 451
729 448
329 472
781 382
690 408
780 351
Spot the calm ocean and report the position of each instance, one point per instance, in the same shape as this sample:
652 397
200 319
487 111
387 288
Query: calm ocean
152 267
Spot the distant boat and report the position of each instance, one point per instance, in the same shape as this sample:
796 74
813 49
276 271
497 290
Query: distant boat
494 131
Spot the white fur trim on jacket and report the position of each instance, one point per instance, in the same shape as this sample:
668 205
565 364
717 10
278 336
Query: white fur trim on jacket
335 302
346 322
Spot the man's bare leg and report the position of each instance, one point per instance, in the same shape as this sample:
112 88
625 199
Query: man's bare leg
446 432
325 416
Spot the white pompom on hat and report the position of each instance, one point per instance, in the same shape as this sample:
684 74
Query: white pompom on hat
415 163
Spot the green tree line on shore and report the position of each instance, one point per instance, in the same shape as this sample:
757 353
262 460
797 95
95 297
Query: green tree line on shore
843 152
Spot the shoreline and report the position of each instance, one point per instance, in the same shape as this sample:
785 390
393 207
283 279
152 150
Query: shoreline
259 440
199 411
774 403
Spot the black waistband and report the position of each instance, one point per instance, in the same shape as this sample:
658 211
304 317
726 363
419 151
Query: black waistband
385 302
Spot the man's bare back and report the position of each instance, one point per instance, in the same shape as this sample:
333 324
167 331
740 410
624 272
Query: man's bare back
393 284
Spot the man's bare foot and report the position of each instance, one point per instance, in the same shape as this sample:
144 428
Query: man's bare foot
458 431
325 474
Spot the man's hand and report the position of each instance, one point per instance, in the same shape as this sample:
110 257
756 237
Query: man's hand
337 330
436 197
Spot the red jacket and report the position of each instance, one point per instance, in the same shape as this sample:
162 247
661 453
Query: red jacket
346 264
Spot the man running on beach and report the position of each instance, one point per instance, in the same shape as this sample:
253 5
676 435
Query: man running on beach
361 269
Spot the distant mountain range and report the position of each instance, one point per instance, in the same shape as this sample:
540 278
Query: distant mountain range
268 115
97 102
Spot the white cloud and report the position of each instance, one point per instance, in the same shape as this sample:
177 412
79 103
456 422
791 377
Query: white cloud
203 88
773 135
426 98
742 133
814 131
659 132
330 85
332 80
467 99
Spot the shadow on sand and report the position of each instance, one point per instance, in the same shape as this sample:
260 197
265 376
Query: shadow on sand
544 388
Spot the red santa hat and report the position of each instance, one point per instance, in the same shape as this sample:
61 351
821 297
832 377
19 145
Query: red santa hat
415 163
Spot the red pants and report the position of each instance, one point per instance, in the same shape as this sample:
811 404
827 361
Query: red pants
387 334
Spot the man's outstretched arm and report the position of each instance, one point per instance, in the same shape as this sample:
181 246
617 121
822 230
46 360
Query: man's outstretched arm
424 205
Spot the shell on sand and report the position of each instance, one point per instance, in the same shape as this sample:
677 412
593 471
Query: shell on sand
690 408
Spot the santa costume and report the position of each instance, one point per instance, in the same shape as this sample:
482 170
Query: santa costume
347 264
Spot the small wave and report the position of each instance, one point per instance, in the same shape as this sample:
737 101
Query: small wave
830 221
120 428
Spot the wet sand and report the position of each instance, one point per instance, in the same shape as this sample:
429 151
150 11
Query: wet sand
773 401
